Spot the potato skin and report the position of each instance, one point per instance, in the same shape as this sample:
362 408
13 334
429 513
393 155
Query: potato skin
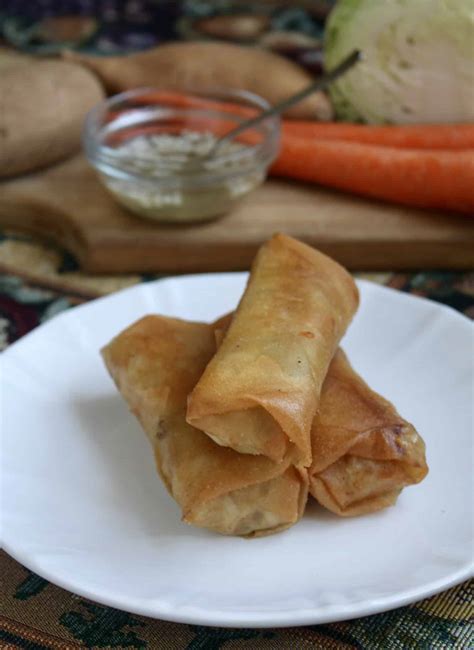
207 65
42 108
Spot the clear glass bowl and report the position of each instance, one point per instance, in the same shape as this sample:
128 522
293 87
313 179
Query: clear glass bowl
147 145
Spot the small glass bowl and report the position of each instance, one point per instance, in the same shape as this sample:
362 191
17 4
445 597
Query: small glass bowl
140 142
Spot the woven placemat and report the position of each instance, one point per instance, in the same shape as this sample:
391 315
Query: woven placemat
37 615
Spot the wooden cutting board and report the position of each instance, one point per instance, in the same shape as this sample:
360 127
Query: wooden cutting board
67 203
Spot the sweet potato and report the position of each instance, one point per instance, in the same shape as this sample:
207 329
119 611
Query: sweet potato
9 56
42 108
207 65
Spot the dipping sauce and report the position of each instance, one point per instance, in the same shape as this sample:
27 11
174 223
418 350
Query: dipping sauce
152 154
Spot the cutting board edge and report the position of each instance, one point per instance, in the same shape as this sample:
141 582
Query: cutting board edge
45 228
109 257
377 256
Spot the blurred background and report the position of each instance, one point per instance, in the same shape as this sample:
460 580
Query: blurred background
118 26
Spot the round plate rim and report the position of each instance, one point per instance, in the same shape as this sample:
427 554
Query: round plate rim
262 619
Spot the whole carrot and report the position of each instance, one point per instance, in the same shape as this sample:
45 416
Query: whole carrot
184 100
423 178
421 136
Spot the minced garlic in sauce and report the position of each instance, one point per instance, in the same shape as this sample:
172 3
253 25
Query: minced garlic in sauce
182 156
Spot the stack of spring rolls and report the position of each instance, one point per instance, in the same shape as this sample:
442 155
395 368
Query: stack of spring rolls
248 414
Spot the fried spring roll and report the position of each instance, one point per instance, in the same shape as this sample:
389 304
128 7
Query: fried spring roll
364 452
155 363
260 392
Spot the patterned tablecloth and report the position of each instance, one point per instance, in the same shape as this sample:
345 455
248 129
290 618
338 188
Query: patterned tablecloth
39 281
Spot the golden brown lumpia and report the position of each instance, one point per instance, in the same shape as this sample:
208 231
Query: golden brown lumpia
155 363
260 392
364 452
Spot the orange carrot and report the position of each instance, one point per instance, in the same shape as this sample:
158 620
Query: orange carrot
423 178
219 126
181 100
420 136
429 166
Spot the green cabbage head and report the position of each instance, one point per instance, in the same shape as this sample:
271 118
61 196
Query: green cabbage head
418 60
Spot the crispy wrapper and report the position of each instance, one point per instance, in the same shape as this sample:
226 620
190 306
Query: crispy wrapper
155 363
364 452
260 392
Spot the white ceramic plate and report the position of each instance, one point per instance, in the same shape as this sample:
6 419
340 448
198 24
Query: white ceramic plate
84 508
